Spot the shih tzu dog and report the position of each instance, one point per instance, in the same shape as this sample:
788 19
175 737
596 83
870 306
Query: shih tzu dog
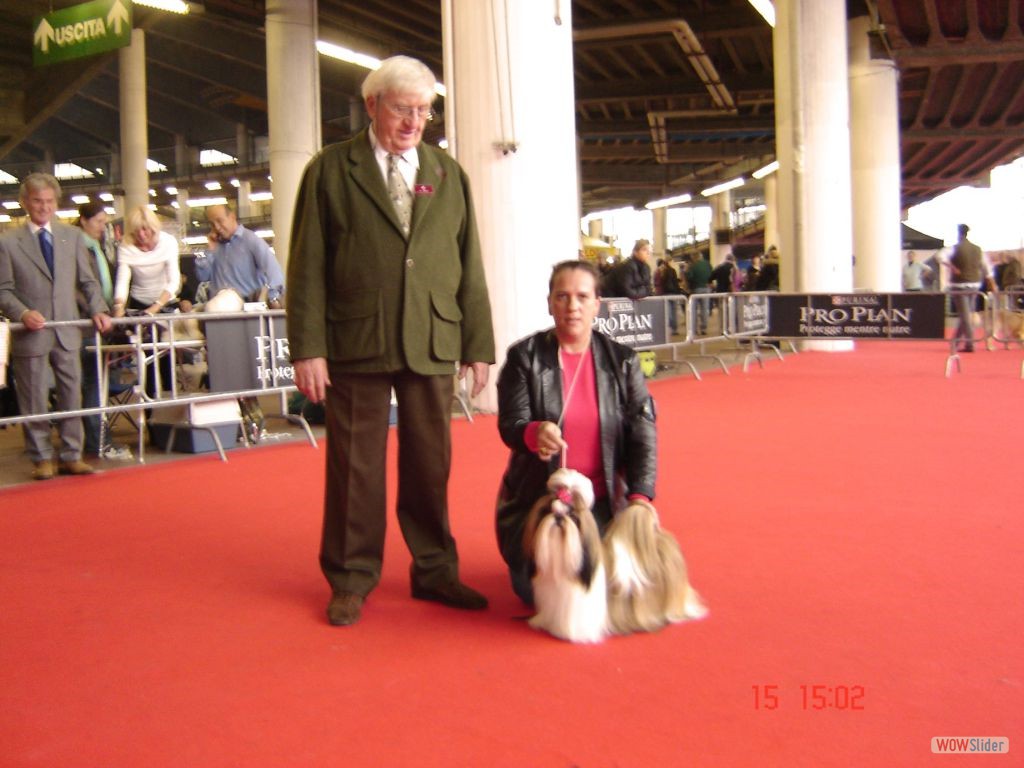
584 588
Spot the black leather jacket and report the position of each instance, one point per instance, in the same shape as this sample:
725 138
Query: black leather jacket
530 389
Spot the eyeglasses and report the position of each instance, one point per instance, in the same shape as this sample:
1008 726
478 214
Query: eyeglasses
409 113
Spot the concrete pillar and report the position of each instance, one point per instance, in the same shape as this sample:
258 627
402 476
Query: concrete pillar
813 146
659 241
721 222
134 121
244 207
242 145
511 125
771 212
595 227
293 99
183 215
182 158
875 165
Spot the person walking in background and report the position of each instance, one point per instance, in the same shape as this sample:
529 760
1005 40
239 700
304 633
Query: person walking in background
967 268
388 292
666 283
698 277
42 266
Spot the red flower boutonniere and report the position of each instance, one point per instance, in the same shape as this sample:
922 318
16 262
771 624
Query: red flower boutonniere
423 189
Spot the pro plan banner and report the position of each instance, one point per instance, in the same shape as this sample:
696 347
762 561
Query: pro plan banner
858 316
750 314
637 324
241 355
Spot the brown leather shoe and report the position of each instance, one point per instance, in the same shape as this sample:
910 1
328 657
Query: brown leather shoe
43 470
454 594
78 467
345 608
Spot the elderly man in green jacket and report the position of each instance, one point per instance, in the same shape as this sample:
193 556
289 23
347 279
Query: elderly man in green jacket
388 292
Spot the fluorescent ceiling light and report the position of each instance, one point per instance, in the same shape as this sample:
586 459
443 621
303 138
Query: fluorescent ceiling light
11 205
171 6
171 190
341 53
4 218
195 240
109 210
215 157
259 197
106 197
236 183
666 202
266 234
69 213
64 171
772 167
152 193
79 199
154 167
203 202
213 186
6 178
767 9
723 187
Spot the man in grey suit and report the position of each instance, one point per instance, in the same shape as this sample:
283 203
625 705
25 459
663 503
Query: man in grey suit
42 266
387 292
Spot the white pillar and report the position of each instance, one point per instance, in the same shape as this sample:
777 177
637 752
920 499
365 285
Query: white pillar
511 123
242 145
721 208
595 227
771 212
813 146
875 165
183 214
134 122
659 243
293 101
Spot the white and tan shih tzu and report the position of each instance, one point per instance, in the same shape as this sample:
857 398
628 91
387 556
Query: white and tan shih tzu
585 589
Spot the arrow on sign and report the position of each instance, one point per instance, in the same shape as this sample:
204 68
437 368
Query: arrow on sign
118 15
43 35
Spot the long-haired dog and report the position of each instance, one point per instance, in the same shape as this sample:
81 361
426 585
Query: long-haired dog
584 588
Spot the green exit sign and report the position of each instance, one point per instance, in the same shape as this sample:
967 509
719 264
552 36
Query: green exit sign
82 30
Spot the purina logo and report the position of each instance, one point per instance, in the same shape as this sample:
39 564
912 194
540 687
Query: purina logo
970 745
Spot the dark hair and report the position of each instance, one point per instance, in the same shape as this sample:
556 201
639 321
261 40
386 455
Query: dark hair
88 210
579 264
963 229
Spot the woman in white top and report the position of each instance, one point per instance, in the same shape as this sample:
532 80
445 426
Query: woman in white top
147 263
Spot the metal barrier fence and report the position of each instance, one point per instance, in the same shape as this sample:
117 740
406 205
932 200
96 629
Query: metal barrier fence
141 342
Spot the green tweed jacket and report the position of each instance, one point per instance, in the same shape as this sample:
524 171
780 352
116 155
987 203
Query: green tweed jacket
367 299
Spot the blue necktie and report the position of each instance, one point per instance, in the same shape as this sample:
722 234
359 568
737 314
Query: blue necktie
47 248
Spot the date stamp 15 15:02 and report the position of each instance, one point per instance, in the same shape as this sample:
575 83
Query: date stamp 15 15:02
811 697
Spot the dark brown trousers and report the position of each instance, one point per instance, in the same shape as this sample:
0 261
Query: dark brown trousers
355 514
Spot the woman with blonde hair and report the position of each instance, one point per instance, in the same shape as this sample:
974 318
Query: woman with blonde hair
148 272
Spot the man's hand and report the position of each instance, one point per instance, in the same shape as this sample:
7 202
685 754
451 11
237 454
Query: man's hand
102 322
33 320
312 379
481 372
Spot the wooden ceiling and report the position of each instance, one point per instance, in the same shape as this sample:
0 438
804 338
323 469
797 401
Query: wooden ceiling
671 95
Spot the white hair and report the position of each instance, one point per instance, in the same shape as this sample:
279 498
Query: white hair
401 74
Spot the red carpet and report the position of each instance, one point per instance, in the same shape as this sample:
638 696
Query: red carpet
853 521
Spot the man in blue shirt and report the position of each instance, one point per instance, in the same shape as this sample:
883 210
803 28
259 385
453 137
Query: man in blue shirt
241 260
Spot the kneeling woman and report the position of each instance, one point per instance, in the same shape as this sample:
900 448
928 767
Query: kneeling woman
569 396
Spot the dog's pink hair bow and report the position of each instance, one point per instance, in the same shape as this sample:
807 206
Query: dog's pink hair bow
564 495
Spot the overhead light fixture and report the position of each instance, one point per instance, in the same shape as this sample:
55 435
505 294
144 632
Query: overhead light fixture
725 186
766 170
171 190
213 186
195 239
4 218
261 197
11 205
6 178
264 233
106 197
204 202
152 193
666 202
171 6
68 213
109 210
767 9
152 166
341 53
79 199
236 183
215 157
